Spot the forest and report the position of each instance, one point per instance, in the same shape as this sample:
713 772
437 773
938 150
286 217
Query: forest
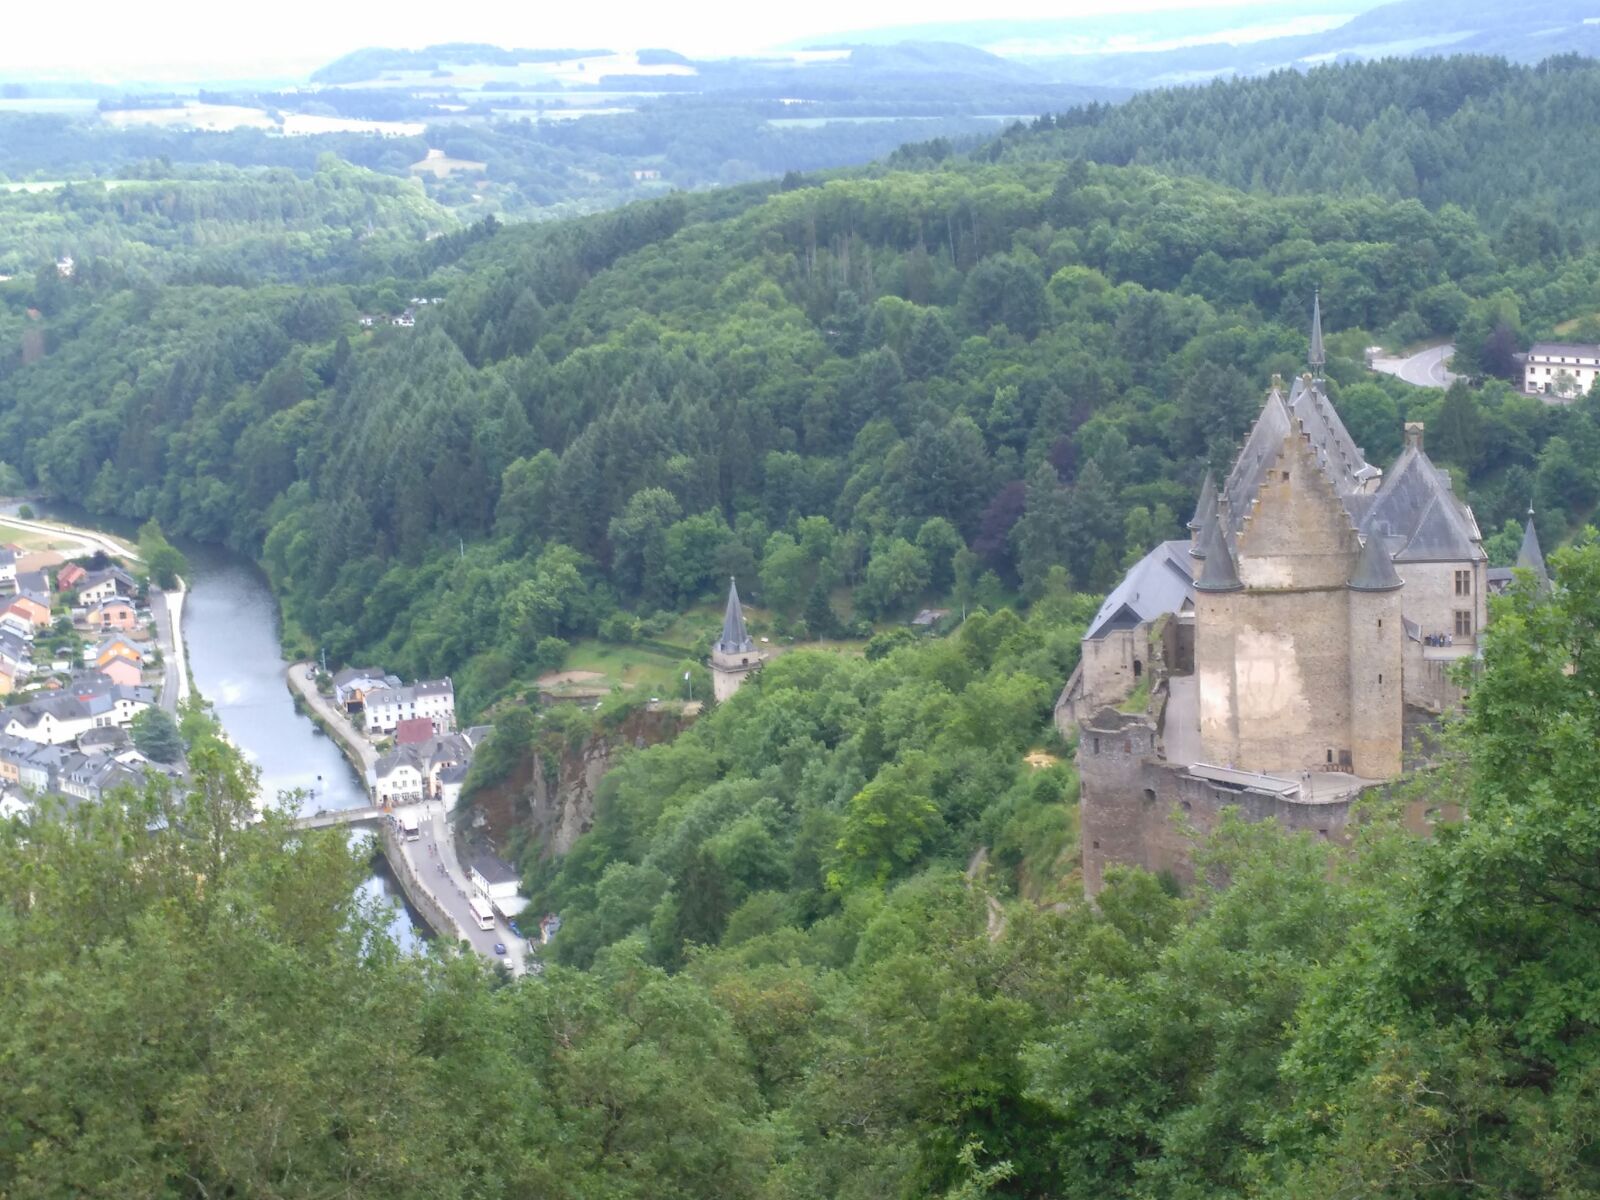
788 985
829 941
935 379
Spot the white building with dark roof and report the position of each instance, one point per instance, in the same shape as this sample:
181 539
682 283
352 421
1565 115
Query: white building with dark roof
1562 369
430 699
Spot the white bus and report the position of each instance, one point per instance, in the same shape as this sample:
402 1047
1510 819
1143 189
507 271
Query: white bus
482 912
410 828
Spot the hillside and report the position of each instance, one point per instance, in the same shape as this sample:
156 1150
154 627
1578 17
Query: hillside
939 380
829 942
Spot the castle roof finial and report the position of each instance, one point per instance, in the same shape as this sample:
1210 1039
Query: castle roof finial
1206 505
735 638
1318 358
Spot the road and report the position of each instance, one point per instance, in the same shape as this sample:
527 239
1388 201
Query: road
167 608
347 734
432 862
1426 368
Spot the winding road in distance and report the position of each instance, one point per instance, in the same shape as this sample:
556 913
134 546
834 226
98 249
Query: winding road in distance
1426 368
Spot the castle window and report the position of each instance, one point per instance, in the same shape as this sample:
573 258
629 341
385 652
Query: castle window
1330 755
1285 475
1097 745
1463 583
1138 668
1150 796
1380 622
1380 677
1463 622
1097 845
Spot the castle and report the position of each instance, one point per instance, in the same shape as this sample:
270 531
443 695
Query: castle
1287 645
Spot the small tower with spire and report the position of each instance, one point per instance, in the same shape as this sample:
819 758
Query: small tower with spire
1318 358
733 655
1530 557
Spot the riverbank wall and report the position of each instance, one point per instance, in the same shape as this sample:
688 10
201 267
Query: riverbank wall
417 893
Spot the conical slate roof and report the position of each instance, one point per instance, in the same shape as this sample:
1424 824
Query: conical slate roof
735 639
1318 358
1531 557
1206 505
1374 569
1219 574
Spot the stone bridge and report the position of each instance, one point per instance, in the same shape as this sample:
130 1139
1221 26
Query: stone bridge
339 816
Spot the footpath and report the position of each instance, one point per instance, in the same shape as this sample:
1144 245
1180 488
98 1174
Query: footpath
167 608
90 539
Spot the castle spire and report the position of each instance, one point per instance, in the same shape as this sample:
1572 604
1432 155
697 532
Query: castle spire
1374 568
735 639
1218 574
1318 358
1206 505
1531 557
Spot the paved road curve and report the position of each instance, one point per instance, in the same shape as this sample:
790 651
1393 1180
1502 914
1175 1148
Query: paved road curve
1426 368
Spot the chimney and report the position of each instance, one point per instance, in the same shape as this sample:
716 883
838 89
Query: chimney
1414 434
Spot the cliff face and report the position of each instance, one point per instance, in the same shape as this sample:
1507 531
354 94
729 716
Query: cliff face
552 793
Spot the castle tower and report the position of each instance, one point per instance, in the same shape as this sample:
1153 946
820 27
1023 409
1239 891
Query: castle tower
733 655
1376 663
1272 611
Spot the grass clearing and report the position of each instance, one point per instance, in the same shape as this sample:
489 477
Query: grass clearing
636 669
30 539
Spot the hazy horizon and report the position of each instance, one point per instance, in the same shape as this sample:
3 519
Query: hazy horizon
117 43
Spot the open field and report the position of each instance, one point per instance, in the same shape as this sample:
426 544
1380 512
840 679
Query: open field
28 539
636 669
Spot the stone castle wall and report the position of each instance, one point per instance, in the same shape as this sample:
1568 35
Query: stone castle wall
1138 811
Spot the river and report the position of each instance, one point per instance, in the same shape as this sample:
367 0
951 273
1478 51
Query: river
230 626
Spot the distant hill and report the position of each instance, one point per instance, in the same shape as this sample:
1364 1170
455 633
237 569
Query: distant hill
373 61
1518 30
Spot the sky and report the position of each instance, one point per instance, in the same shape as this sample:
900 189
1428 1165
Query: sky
197 39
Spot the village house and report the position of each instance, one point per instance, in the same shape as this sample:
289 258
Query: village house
432 699
115 613
413 730
497 882
451 781
412 771
8 568
29 609
35 584
1560 369
351 685
69 576
92 701
97 586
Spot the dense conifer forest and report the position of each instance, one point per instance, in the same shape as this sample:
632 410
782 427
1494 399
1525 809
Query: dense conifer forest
829 942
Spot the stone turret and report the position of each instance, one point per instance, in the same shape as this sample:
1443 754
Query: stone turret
1377 667
733 655
1530 557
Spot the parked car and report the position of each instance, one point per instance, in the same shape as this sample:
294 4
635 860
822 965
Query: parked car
500 949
